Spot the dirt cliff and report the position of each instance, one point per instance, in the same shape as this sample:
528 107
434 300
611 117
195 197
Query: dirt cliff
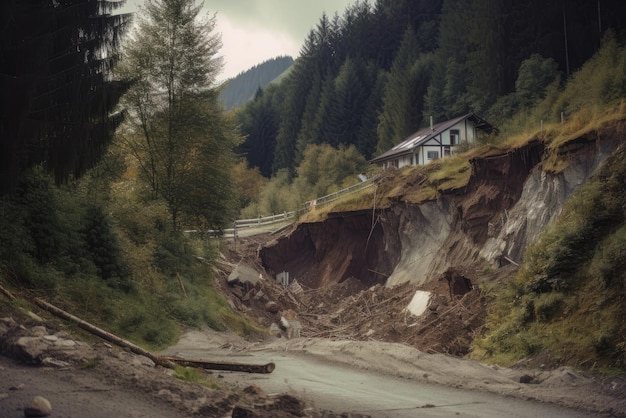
360 269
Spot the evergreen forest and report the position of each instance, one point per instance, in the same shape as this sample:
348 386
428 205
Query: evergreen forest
378 72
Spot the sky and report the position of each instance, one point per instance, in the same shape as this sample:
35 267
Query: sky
254 31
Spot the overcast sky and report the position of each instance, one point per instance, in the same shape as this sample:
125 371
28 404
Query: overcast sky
254 31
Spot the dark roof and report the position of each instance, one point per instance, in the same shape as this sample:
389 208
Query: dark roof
423 135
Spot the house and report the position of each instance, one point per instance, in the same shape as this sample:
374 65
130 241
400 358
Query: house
436 141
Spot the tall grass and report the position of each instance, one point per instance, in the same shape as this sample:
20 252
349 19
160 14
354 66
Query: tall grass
567 299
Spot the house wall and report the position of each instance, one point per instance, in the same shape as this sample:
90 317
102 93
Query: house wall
441 145
405 160
466 133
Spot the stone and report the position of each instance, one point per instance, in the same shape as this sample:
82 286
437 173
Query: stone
65 343
39 407
168 396
271 307
52 362
30 348
34 316
526 379
38 331
253 390
241 412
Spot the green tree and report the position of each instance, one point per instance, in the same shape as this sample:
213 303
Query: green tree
404 91
56 94
326 169
177 131
259 125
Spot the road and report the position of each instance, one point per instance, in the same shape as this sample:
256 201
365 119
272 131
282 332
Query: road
340 388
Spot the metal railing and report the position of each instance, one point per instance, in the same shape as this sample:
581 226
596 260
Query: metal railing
240 225
324 200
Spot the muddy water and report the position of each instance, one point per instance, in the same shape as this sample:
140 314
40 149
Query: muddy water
340 388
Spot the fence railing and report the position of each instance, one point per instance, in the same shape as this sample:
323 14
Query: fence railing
324 200
241 225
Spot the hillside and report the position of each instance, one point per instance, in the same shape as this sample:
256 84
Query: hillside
465 240
239 90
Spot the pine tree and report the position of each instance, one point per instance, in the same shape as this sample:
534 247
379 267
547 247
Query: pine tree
403 98
57 93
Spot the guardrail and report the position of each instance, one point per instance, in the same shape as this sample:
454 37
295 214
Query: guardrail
324 200
264 221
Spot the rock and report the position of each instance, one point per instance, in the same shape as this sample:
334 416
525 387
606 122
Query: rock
271 307
253 390
168 396
51 338
240 412
526 379
30 348
38 331
39 407
65 343
51 362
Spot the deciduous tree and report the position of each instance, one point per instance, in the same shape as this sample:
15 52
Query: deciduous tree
178 132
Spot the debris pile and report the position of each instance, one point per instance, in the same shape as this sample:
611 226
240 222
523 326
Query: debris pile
452 309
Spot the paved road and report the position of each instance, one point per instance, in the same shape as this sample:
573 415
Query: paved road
344 389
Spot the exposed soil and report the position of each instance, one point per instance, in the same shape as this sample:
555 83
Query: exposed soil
351 309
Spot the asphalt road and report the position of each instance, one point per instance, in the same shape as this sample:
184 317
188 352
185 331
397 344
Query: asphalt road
344 389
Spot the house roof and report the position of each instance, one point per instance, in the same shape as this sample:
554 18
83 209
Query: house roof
423 135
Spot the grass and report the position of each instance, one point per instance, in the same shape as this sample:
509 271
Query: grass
193 375
567 299
92 363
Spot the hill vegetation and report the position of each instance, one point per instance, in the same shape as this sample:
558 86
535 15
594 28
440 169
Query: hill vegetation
242 88
377 73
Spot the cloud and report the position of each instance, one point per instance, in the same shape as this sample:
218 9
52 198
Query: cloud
246 45
254 31
294 17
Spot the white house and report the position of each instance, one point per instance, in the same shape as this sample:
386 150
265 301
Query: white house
436 141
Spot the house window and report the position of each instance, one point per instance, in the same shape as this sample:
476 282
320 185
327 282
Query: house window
455 136
446 151
432 155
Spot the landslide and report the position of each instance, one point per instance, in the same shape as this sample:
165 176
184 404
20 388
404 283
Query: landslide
355 272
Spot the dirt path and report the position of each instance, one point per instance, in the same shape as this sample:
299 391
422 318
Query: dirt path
403 368
75 393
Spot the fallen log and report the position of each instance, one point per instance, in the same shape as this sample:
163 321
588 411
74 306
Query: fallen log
7 293
232 367
98 331
165 361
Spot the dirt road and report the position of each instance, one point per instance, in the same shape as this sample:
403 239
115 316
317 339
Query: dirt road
391 380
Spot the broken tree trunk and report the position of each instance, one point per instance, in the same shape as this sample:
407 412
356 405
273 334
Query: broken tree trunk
165 361
7 293
233 367
97 331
